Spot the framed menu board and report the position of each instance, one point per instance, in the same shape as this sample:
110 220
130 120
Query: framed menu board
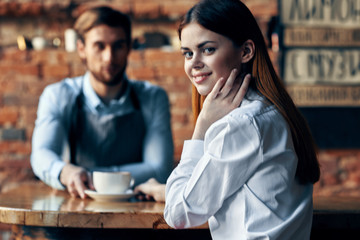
320 41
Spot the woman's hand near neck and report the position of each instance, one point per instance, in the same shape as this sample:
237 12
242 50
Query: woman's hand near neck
224 97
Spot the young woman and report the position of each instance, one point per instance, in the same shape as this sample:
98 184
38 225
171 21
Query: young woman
250 166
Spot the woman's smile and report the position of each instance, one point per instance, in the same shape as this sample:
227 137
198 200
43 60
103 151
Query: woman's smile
201 77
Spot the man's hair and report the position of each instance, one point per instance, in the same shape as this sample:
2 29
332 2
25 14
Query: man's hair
102 15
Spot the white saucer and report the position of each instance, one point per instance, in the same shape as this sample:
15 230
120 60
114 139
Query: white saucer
110 197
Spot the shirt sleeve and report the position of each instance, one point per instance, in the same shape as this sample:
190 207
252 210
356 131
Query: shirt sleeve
158 146
212 170
48 140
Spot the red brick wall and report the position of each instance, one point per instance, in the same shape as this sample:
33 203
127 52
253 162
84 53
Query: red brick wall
24 74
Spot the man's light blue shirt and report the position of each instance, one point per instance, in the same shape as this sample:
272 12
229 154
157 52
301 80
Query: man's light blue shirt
50 150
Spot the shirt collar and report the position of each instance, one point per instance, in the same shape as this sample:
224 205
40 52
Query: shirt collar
252 95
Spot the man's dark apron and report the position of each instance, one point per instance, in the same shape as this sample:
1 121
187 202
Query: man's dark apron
102 141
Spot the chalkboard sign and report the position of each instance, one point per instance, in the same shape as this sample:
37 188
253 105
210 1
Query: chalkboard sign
320 43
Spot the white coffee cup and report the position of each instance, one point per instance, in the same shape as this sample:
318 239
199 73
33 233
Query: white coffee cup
112 182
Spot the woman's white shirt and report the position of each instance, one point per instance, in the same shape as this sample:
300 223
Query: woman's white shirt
241 179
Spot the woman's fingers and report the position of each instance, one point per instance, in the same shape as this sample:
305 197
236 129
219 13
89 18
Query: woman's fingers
233 91
216 89
223 86
229 84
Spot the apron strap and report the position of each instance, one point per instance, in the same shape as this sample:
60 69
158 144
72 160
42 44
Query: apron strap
73 125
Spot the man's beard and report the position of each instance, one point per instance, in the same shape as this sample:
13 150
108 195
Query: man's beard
115 80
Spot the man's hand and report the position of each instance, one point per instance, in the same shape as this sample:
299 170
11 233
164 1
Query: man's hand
152 189
76 179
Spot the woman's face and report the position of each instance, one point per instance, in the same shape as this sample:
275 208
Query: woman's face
208 56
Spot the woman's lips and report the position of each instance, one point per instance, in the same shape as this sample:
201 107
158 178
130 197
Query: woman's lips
200 77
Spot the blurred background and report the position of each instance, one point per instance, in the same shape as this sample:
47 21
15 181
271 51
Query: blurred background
37 48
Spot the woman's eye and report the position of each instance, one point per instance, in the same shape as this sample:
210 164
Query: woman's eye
187 55
209 50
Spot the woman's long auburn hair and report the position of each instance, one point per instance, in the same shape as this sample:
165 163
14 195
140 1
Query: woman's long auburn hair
221 17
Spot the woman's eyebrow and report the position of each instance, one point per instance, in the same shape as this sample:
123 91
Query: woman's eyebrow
200 45
204 43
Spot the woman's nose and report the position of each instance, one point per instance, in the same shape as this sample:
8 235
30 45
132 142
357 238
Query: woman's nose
197 62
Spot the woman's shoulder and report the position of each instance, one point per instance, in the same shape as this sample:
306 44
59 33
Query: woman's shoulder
256 111
243 117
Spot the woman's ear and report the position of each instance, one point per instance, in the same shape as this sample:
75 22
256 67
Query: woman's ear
248 51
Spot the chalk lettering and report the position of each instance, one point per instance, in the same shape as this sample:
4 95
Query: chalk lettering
321 36
320 12
325 95
322 66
